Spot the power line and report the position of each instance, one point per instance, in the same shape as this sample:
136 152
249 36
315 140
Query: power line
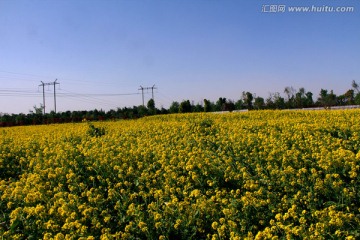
165 100
98 94
94 97
87 98
25 93
22 92
92 101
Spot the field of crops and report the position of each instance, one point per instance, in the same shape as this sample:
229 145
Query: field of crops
253 175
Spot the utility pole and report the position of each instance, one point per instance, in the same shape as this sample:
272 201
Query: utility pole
152 92
147 88
43 85
142 93
55 95
48 84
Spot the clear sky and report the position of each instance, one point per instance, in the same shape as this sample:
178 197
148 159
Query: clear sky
190 49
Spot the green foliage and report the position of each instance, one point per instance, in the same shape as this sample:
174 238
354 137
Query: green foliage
357 98
327 99
151 105
185 106
207 105
239 104
174 108
259 103
95 131
220 104
248 99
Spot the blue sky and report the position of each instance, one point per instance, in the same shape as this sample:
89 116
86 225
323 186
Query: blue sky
189 49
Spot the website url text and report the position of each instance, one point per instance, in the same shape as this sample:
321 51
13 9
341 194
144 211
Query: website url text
271 8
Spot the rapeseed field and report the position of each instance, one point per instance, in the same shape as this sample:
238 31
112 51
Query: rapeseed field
252 175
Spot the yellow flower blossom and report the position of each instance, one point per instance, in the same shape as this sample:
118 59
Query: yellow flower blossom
253 175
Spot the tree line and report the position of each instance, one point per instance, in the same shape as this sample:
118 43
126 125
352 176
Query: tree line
293 99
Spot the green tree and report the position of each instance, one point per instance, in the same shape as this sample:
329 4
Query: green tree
164 110
357 99
220 104
326 99
300 98
269 102
207 106
37 115
289 91
21 119
355 86
275 101
259 103
151 106
198 108
279 101
6 120
185 107
309 102
141 111
174 107
239 104
229 105
349 97
248 99
37 110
